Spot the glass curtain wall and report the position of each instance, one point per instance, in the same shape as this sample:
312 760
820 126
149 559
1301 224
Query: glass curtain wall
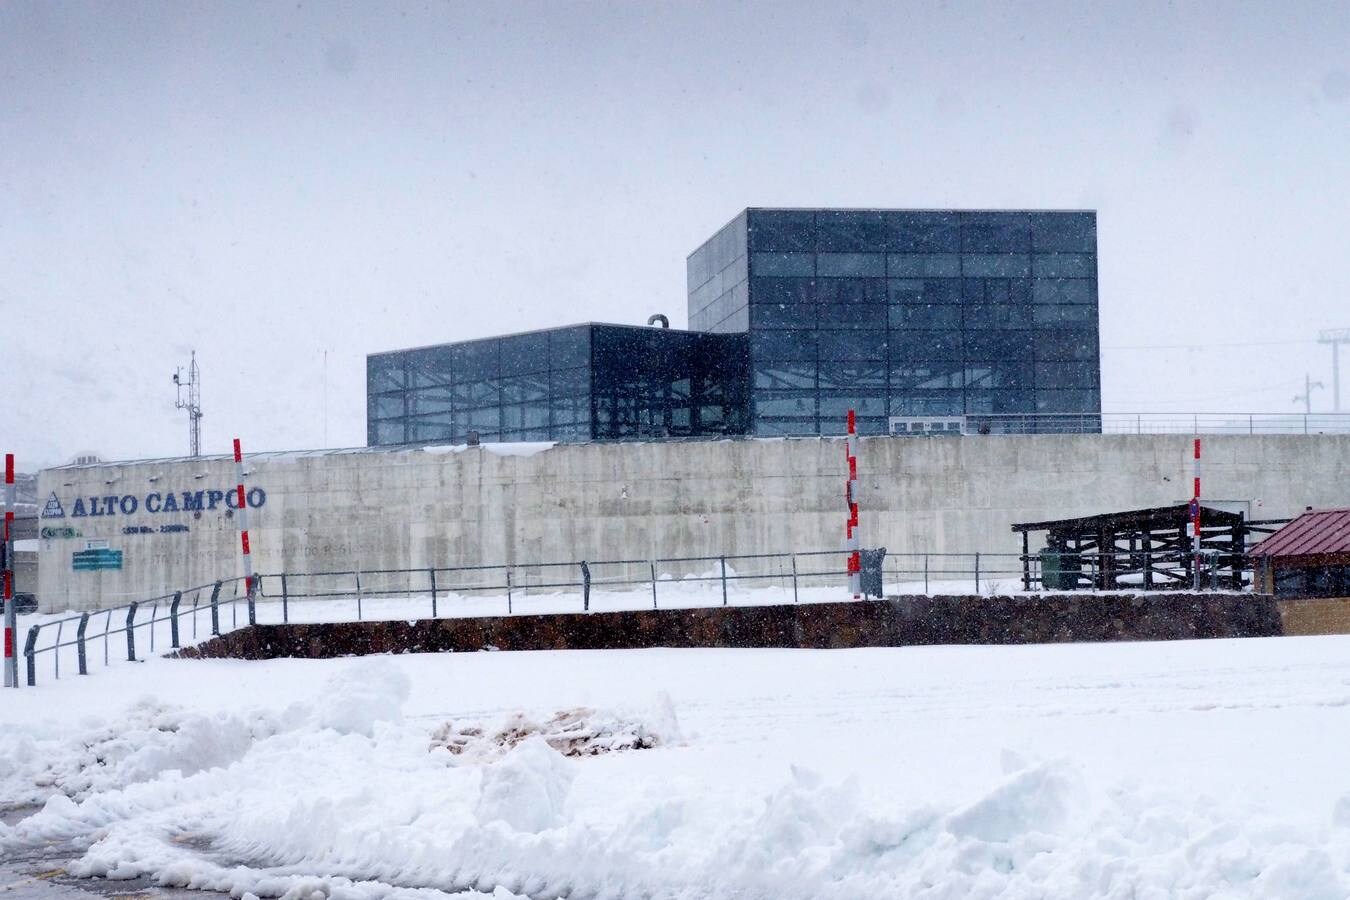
588 382
523 387
659 383
717 279
898 313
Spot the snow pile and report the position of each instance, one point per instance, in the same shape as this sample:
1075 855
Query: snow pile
518 448
527 790
143 744
342 796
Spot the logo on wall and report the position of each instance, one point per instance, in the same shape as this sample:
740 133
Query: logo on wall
53 508
95 556
49 532
155 503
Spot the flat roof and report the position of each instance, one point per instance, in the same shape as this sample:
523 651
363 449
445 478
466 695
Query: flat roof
512 334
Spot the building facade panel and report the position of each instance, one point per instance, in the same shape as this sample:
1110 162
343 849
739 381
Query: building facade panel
796 316
580 383
965 313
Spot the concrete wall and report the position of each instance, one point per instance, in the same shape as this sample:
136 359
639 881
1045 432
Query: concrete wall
383 509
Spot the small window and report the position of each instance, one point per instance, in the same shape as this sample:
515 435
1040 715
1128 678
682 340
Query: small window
923 265
385 373
995 265
387 406
851 265
1064 290
1065 265
783 264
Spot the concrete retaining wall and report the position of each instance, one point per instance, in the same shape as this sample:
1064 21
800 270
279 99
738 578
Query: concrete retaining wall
415 508
895 622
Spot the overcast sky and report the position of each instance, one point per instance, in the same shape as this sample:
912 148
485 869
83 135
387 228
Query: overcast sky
266 182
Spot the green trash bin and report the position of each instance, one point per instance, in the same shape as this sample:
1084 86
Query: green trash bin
1060 570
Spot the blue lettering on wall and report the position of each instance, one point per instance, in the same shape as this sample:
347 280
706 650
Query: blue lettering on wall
158 503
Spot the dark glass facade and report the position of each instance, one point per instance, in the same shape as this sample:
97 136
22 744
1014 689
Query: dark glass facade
579 383
796 316
905 313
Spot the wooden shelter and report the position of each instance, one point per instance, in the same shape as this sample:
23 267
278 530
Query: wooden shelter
1148 548
1309 557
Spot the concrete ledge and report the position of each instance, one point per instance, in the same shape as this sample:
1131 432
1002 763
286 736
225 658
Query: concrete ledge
893 622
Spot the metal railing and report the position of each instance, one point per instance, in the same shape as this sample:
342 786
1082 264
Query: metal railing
436 585
178 612
1157 423
169 621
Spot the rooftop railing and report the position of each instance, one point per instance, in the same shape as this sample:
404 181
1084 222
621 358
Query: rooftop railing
1157 423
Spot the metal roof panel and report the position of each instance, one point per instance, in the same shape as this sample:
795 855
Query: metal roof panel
1315 532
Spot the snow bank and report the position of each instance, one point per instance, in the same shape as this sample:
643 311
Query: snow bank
342 796
520 448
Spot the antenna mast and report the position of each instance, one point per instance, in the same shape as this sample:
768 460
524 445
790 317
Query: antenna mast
1335 337
193 404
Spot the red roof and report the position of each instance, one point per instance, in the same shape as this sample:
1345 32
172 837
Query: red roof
1314 532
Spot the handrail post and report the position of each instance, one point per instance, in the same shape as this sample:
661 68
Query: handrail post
585 587
215 610
131 632
723 560
285 601
154 614
248 593
794 578
431 572
925 574
977 573
358 595
508 591
652 564
79 644
30 654
173 618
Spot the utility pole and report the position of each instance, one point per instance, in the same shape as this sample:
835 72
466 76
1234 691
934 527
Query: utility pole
325 398
1306 397
1335 337
193 403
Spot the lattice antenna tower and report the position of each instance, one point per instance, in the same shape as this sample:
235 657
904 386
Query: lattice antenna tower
193 403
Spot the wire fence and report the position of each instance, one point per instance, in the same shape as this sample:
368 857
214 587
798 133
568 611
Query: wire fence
72 644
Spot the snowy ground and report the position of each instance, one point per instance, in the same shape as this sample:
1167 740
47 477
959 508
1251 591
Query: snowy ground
1185 769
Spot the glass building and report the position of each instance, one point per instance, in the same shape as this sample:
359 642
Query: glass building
580 383
905 313
795 316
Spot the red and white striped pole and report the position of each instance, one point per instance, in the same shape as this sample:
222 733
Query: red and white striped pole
243 526
851 500
1195 515
11 614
